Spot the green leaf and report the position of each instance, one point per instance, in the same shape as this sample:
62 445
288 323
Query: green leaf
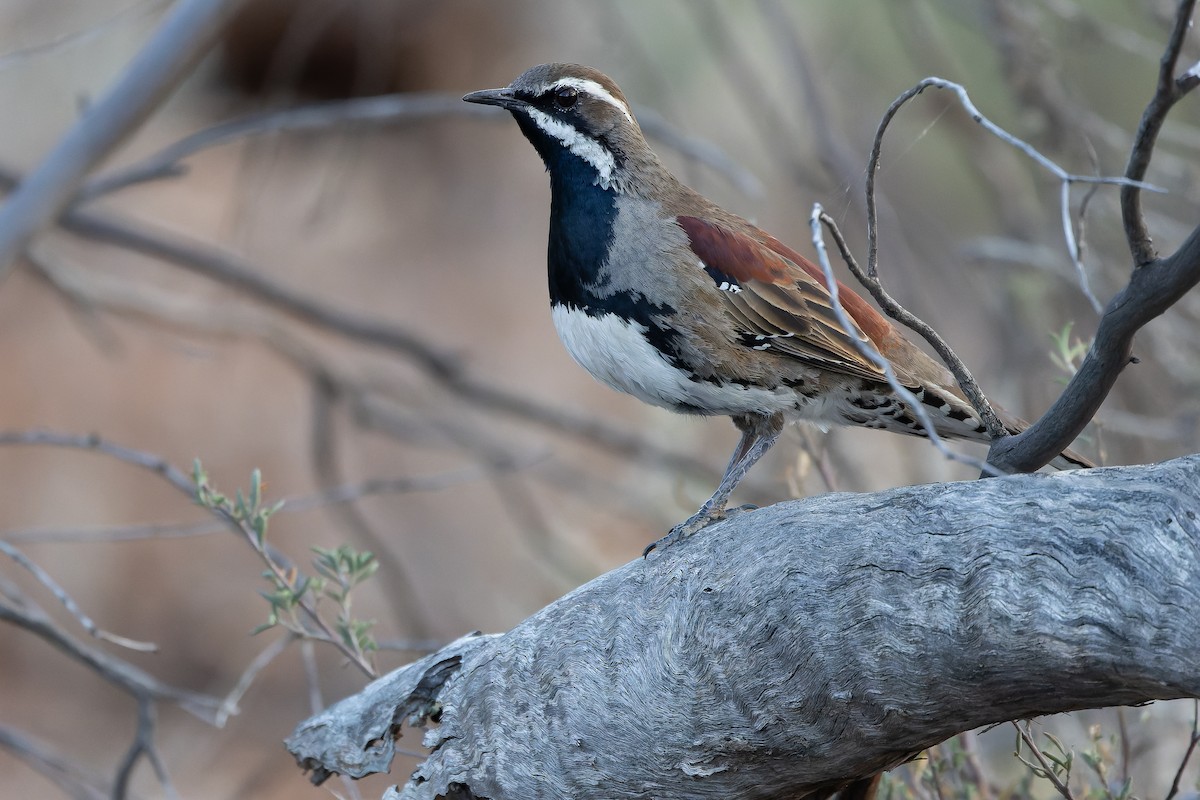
266 626
255 488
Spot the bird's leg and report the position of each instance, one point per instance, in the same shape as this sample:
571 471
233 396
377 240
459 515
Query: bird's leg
759 432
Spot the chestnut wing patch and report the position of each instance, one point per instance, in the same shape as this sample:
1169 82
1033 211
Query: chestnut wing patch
775 303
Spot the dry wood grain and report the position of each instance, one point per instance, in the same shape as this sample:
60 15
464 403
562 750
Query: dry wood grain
808 643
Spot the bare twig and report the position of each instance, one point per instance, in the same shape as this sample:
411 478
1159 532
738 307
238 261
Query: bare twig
1080 236
142 747
229 704
1044 766
284 573
186 33
1155 285
1168 91
1193 740
898 312
76 782
345 493
69 603
231 271
382 110
137 458
871 354
1067 178
59 43
127 677
397 583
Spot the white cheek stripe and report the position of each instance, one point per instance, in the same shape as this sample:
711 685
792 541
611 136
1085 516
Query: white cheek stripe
585 147
596 90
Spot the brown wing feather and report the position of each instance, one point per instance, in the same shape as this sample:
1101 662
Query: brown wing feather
781 299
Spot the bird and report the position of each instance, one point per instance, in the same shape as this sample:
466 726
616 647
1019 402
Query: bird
662 294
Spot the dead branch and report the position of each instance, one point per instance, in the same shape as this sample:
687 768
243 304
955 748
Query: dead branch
774 654
1155 285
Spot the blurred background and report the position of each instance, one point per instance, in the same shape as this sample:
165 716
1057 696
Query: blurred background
504 475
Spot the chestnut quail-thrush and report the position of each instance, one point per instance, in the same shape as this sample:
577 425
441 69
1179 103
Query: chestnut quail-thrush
662 294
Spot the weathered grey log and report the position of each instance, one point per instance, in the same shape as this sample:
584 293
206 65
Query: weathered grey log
807 643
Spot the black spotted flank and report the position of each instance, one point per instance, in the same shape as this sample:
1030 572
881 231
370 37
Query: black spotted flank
871 402
960 414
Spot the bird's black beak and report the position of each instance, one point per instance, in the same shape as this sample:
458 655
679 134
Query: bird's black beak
495 97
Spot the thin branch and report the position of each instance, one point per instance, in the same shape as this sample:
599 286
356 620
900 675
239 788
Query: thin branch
871 354
140 9
127 677
1077 259
72 779
142 746
1167 92
229 705
1075 246
1043 765
147 461
345 493
69 603
892 308
115 533
231 271
284 573
1193 740
187 32
1155 285
383 110
1067 178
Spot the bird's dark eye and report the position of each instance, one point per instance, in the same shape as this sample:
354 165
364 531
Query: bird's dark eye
565 97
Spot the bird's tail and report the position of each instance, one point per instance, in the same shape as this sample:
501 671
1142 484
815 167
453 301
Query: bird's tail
956 418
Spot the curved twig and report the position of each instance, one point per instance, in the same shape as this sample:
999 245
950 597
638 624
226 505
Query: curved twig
1067 178
966 380
183 483
870 353
1168 91
69 603
1155 285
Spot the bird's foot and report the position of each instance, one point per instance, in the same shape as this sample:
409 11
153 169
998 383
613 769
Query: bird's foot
698 521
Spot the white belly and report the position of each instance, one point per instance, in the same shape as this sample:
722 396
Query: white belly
616 352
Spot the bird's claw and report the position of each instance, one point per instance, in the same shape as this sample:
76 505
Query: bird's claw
698 521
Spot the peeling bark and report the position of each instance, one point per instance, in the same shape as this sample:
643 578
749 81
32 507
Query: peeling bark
803 645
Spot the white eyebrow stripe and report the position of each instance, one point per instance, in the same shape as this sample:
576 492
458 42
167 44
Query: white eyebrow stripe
596 90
